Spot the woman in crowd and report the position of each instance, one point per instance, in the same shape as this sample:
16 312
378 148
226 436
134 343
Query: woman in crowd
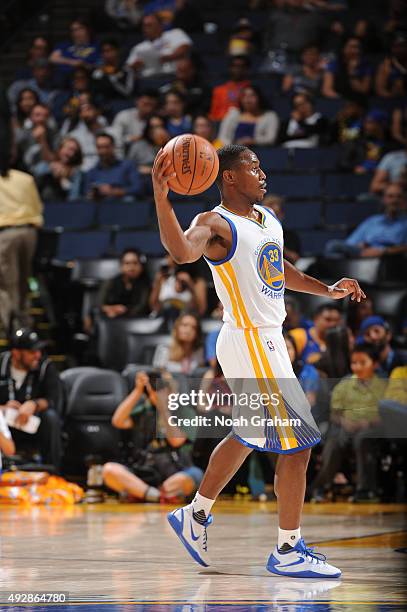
161 467
252 123
350 76
143 152
306 76
203 126
61 179
391 77
26 100
185 352
177 121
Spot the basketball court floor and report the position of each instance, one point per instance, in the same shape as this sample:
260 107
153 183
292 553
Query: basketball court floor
126 558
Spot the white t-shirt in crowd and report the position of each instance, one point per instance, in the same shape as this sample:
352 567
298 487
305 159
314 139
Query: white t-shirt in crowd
151 51
394 164
18 376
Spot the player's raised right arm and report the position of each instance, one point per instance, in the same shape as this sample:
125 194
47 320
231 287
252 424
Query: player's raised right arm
183 247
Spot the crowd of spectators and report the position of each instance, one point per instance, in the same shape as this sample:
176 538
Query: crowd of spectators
88 116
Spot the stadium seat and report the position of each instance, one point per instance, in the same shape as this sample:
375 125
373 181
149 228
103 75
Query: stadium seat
346 185
281 105
93 398
69 215
187 211
82 245
273 158
329 107
148 242
117 339
349 213
316 159
93 271
69 377
313 241
390 304
142 346
295 185
302 215
365 270
124 215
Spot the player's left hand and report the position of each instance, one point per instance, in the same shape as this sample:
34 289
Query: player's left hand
345 287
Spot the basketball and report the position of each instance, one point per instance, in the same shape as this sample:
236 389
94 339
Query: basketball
195 163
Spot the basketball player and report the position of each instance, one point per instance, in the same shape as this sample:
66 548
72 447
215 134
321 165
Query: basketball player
243 245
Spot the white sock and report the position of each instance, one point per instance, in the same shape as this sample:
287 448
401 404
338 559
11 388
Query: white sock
288 536
201 507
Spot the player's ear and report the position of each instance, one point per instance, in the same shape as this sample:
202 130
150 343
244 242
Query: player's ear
228 177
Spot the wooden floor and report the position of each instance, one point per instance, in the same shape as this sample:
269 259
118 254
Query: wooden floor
125 557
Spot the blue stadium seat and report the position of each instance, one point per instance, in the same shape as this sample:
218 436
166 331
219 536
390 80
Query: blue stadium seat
119 105
313 241
272 158
148 242
187 211
82 245
349 213
347 185
125 215
295 186
317 159
216 64
328 107
70 215
302 215
270 85
280 104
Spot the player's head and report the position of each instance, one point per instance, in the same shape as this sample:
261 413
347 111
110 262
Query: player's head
240 174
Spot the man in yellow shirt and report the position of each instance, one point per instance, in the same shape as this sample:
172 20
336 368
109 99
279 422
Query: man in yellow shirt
20 218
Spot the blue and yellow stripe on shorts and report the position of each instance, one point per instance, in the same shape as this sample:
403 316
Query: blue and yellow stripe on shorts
261 366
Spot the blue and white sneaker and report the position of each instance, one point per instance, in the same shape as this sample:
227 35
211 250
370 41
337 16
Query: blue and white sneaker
191 533
301 562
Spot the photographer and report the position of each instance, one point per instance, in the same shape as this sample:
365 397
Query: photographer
161 467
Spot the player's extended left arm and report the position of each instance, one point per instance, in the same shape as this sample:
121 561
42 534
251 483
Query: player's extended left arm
299 281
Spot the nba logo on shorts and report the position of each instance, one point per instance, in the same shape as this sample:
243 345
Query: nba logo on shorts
270 345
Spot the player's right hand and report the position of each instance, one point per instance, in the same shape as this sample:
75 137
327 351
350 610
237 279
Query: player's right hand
161 173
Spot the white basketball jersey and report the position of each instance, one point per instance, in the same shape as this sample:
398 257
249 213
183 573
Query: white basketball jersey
250 280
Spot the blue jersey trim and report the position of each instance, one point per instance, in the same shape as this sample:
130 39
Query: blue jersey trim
234 243
268 210
280 451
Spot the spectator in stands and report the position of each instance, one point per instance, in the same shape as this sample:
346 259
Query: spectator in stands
91 122
7 446
241 41
250 124
159 50
66 106
311 342
161 468
177 122
354 420
348 123
174 290
335 361
391 169
126 14
111 177
20 217
396 392
203 126
80 51
399 125
40 82
350 76
212 337
30 385
127 293
128 125
39 49
378 235
61 178
37 140
185 353
376 331
306 76
391 77
292 243
363 154
306 373
143 152
357 312
227 95
112 80
189 83
26 100
305 128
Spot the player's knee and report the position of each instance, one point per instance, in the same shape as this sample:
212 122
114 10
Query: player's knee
110 470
